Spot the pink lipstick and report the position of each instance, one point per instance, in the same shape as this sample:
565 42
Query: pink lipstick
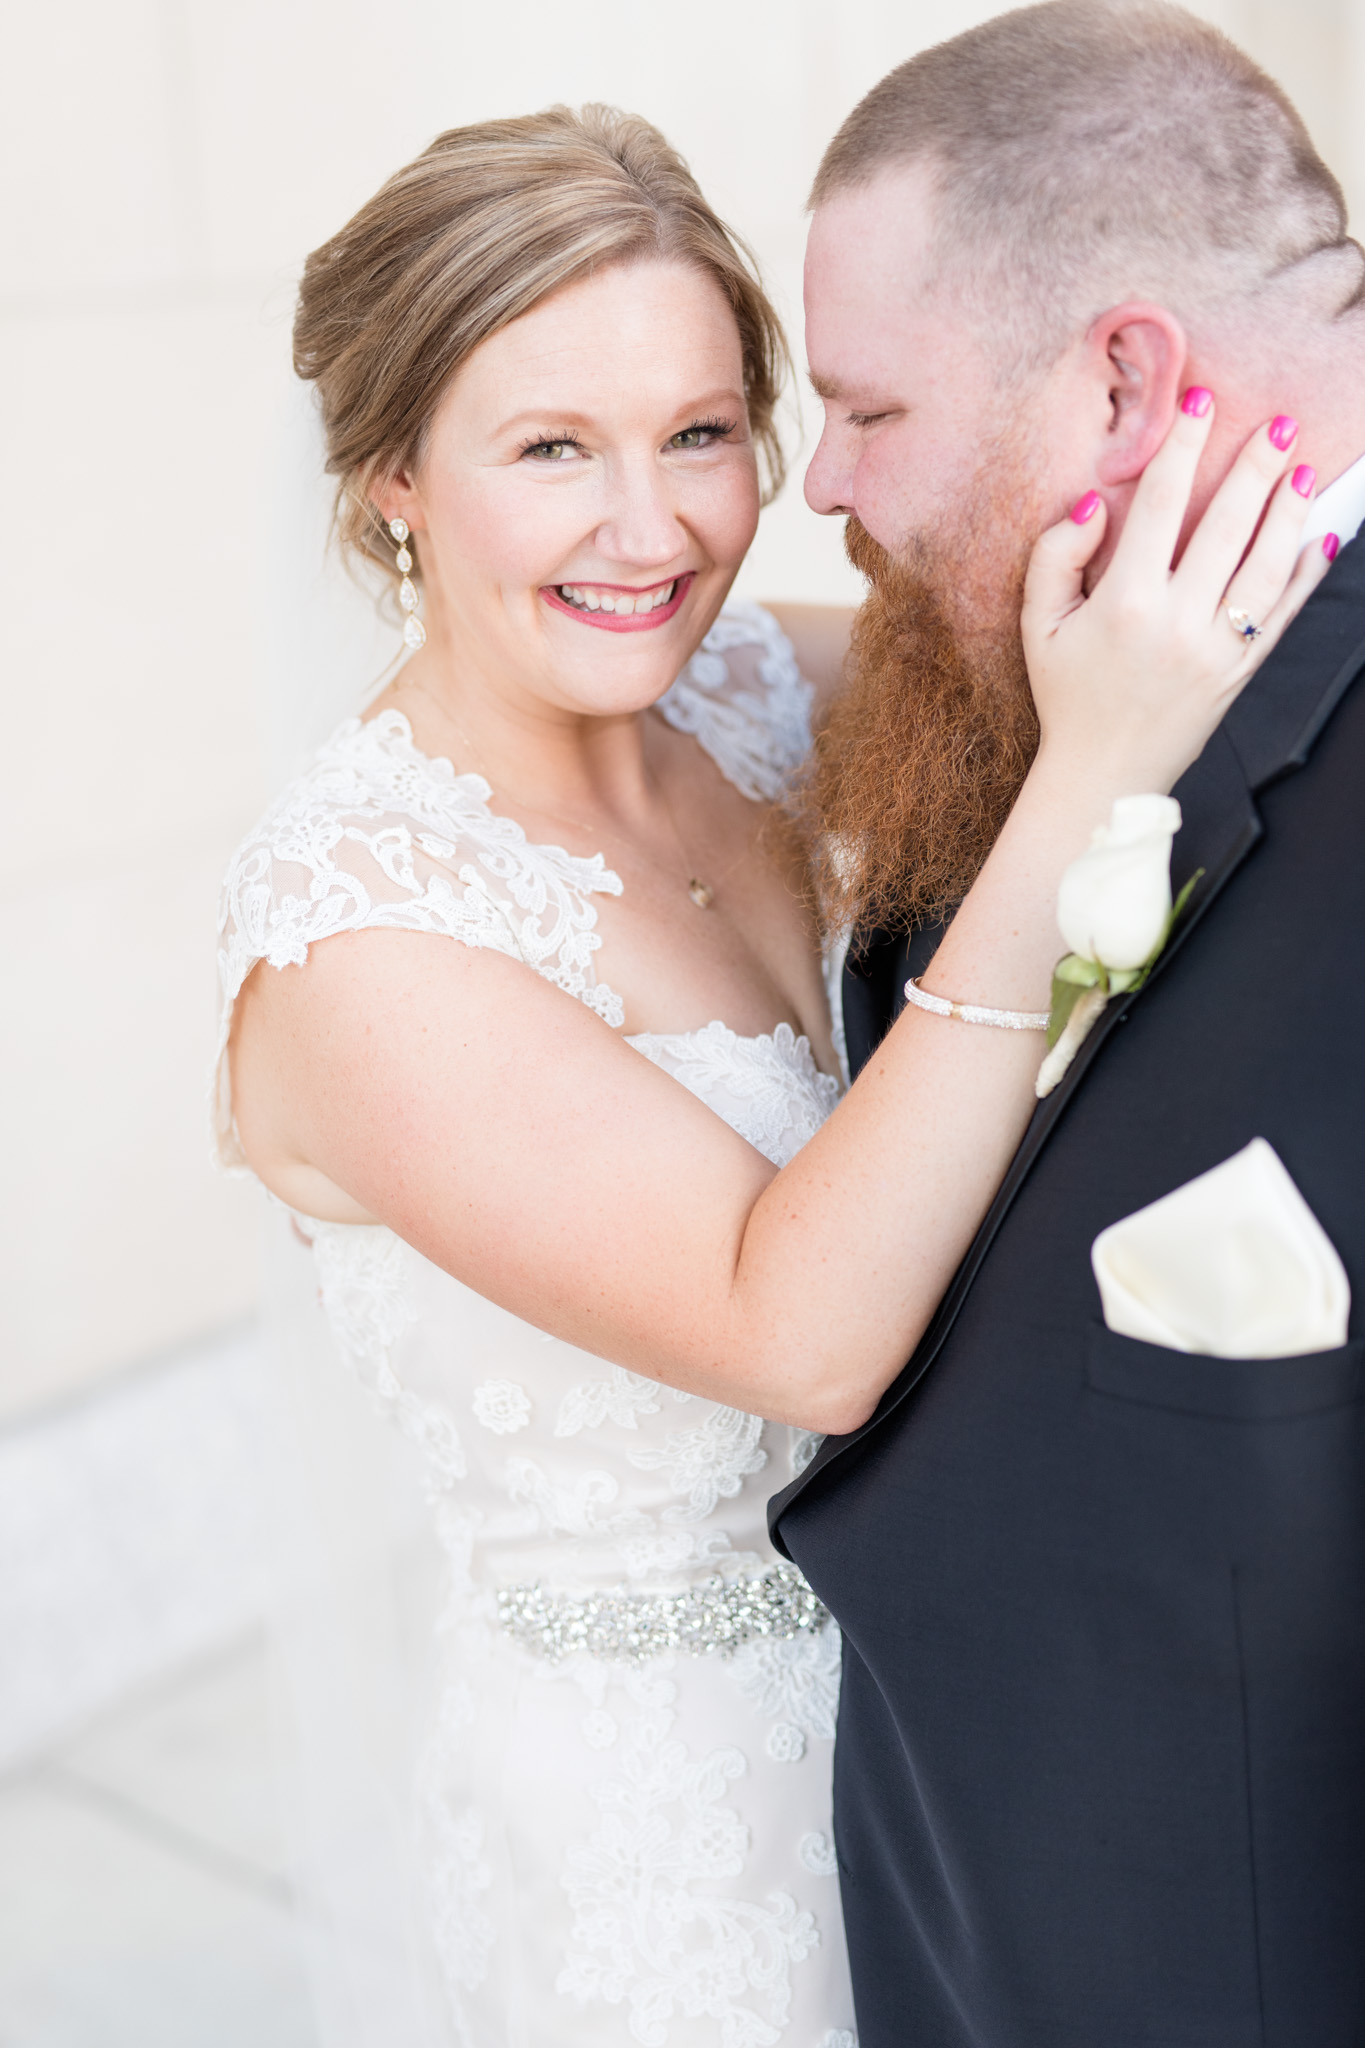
575 601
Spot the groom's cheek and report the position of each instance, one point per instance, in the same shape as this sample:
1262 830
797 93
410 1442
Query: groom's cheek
922 473
894 490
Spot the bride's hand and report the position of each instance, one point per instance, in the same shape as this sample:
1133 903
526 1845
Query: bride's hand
1131 681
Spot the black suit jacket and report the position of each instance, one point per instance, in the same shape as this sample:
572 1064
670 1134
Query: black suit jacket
1100 1777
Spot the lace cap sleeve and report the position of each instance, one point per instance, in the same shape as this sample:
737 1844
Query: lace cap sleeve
376 834
745 701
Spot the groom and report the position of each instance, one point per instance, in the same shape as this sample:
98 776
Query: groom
1100 1777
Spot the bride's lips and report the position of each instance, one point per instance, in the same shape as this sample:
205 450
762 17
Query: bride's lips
612 622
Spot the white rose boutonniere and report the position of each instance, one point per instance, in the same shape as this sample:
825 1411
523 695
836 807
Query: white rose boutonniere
1115 911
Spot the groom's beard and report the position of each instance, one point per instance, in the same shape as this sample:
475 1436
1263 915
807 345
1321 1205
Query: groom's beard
927 746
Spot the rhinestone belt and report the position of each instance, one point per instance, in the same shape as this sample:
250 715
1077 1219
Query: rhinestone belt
718 1615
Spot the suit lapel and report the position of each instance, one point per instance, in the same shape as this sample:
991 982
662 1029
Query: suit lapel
1269 732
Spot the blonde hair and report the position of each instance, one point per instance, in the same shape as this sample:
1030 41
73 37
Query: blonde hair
1087 151
476 231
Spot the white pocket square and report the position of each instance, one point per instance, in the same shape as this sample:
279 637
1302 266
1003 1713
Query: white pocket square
1233 1265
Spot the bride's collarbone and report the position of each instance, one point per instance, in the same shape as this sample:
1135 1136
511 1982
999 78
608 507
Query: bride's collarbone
747 960
710 922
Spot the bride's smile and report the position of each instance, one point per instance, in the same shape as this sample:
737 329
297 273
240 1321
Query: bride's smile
618 609
589 465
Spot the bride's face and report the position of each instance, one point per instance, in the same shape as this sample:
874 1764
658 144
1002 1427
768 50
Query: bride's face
587 491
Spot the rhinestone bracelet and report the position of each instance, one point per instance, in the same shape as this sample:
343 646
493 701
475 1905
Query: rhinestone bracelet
716 1616
973 1013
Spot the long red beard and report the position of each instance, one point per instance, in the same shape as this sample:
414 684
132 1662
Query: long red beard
925 749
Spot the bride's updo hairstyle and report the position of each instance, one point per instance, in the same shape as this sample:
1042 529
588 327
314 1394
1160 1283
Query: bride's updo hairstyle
477 230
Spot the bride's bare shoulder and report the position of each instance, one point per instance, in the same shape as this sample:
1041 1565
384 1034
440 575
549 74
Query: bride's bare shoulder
309 1045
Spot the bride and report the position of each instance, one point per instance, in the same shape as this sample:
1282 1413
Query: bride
586 1196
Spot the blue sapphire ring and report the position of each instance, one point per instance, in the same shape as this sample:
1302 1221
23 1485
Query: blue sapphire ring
1243 624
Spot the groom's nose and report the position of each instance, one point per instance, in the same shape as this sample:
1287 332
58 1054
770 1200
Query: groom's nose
829 478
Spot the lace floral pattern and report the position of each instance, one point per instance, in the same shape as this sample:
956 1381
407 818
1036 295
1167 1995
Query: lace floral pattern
758 731
817 1853
793 1681
502 1406
623 1397
639 1545
652 1927
773 1093
709 1463
362 1283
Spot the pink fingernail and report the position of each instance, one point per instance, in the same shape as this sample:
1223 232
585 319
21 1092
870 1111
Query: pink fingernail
1282 431
1303 479
1086 507
1196 401
1330 543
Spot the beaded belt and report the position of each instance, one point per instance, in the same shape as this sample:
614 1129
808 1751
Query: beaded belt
717 1615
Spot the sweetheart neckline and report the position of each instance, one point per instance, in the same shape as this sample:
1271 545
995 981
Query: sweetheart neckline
799 1039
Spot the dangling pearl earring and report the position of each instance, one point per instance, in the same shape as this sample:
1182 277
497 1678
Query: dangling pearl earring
414 632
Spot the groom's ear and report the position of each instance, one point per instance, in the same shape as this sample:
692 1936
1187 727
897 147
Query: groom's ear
1139 352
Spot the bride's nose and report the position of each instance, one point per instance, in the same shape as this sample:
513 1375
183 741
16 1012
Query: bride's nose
641 526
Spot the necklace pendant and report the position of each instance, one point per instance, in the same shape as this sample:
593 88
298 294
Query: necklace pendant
702 894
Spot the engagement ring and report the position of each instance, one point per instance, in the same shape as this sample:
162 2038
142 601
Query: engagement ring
1243 623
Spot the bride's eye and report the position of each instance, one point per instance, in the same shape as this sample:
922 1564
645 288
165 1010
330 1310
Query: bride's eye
701 434
563 448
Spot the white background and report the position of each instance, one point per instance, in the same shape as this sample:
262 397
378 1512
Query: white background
170 635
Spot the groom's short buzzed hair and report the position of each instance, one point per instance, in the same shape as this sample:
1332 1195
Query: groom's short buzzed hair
1090 151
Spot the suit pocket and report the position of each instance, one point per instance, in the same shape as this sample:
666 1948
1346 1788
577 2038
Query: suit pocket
1231 1389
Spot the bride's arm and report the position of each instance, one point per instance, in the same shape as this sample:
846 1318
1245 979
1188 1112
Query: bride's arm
512 1139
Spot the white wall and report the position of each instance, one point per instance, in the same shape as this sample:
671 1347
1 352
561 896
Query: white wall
171 637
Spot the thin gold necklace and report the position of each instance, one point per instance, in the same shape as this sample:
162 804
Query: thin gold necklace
703 894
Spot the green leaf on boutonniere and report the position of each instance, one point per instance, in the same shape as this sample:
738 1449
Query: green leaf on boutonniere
1176 908
1138 979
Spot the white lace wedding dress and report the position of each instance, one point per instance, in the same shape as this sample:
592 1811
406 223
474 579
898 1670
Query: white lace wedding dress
625 1796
